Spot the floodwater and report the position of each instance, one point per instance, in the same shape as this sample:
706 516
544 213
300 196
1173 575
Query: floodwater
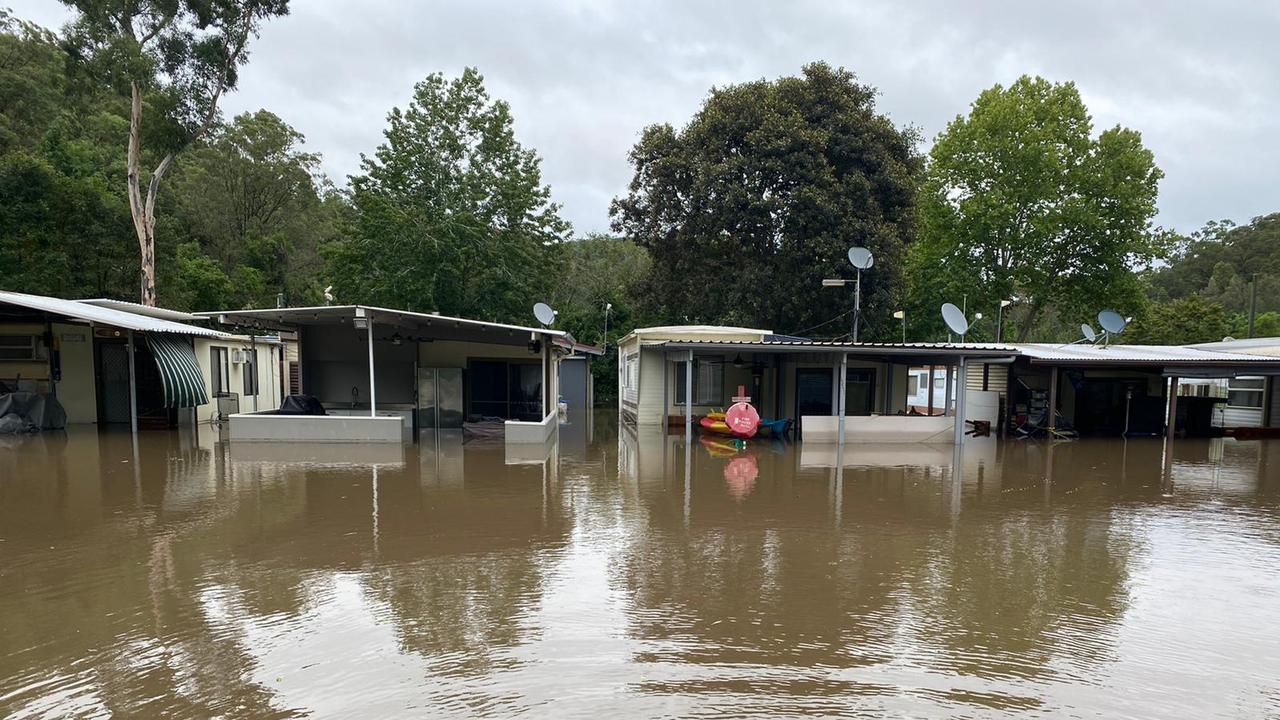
616 575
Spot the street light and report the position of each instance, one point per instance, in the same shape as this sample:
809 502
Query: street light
1000 319
902 315
861 259
607 307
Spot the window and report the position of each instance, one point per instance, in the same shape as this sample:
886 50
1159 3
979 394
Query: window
913 384
17 347
219 371
859 391
1245 392
940 383
708 382
250 372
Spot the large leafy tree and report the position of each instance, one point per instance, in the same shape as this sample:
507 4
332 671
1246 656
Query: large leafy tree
1193 319
450 211
598 280
1021 200
747 208
256 203
175 59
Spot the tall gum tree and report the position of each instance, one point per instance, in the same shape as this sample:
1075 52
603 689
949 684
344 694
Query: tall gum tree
1021 200
175 59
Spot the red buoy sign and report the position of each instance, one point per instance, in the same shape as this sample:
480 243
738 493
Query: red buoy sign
741 417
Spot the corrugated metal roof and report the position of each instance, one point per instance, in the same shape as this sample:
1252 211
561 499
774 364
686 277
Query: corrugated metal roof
140 309
1250 346
312 315
86 312
1134 354
983 347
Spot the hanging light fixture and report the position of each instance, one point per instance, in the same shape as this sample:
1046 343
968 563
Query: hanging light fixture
737 361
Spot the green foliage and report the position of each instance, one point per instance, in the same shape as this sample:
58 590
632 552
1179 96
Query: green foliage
1220 260
1193 319
591 274
450 214
182 54
251 198
758 198
1020 200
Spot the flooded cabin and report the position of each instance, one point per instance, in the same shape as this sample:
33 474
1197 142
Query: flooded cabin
913 392
382 375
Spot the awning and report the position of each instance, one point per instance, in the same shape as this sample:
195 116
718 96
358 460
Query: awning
179 372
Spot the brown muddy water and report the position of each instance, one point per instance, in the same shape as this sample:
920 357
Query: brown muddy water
191 578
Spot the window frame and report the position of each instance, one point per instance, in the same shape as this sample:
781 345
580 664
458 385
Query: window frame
32 346
699 397
1235 391
219 370
249 373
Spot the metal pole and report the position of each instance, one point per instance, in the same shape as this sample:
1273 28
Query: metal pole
133 389
946 398
960 393
1053 398
931 390
373 393
843 388
999 324
857 309
688 399
904 328
1173 408
253 351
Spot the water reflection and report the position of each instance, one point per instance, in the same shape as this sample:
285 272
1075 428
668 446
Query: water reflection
635 574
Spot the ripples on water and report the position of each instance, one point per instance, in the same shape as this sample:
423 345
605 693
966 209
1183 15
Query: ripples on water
190 578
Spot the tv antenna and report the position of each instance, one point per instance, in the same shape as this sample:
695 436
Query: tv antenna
955 320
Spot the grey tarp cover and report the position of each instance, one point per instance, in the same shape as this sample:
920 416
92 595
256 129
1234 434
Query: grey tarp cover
33 410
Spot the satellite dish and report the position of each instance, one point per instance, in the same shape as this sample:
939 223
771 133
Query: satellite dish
544 313
861 257
1089 333
954 318
1112 322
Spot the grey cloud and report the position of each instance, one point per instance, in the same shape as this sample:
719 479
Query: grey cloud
1199 80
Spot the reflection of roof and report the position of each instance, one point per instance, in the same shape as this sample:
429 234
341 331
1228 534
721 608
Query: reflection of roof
140 309
1135 354
85 312
328 314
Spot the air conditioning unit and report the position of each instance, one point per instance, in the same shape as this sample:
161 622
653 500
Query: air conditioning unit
237 356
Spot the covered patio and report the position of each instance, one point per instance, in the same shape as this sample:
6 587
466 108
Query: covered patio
381 375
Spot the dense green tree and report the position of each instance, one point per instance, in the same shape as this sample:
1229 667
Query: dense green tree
1220 261
598 275
747 208
1193 319
175 59
32 81
1022 201
251 197
450 213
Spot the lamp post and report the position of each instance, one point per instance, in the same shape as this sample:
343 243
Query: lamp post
607 307
902 315
1000 319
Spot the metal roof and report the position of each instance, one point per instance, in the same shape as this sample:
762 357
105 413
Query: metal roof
89 313
871 348
140 309
325 314
1250 346
1135 355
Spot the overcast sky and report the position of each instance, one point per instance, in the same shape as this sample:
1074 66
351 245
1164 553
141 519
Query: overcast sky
1200 81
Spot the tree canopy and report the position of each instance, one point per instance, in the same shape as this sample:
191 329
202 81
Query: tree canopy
450 212
746 209
1021 201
